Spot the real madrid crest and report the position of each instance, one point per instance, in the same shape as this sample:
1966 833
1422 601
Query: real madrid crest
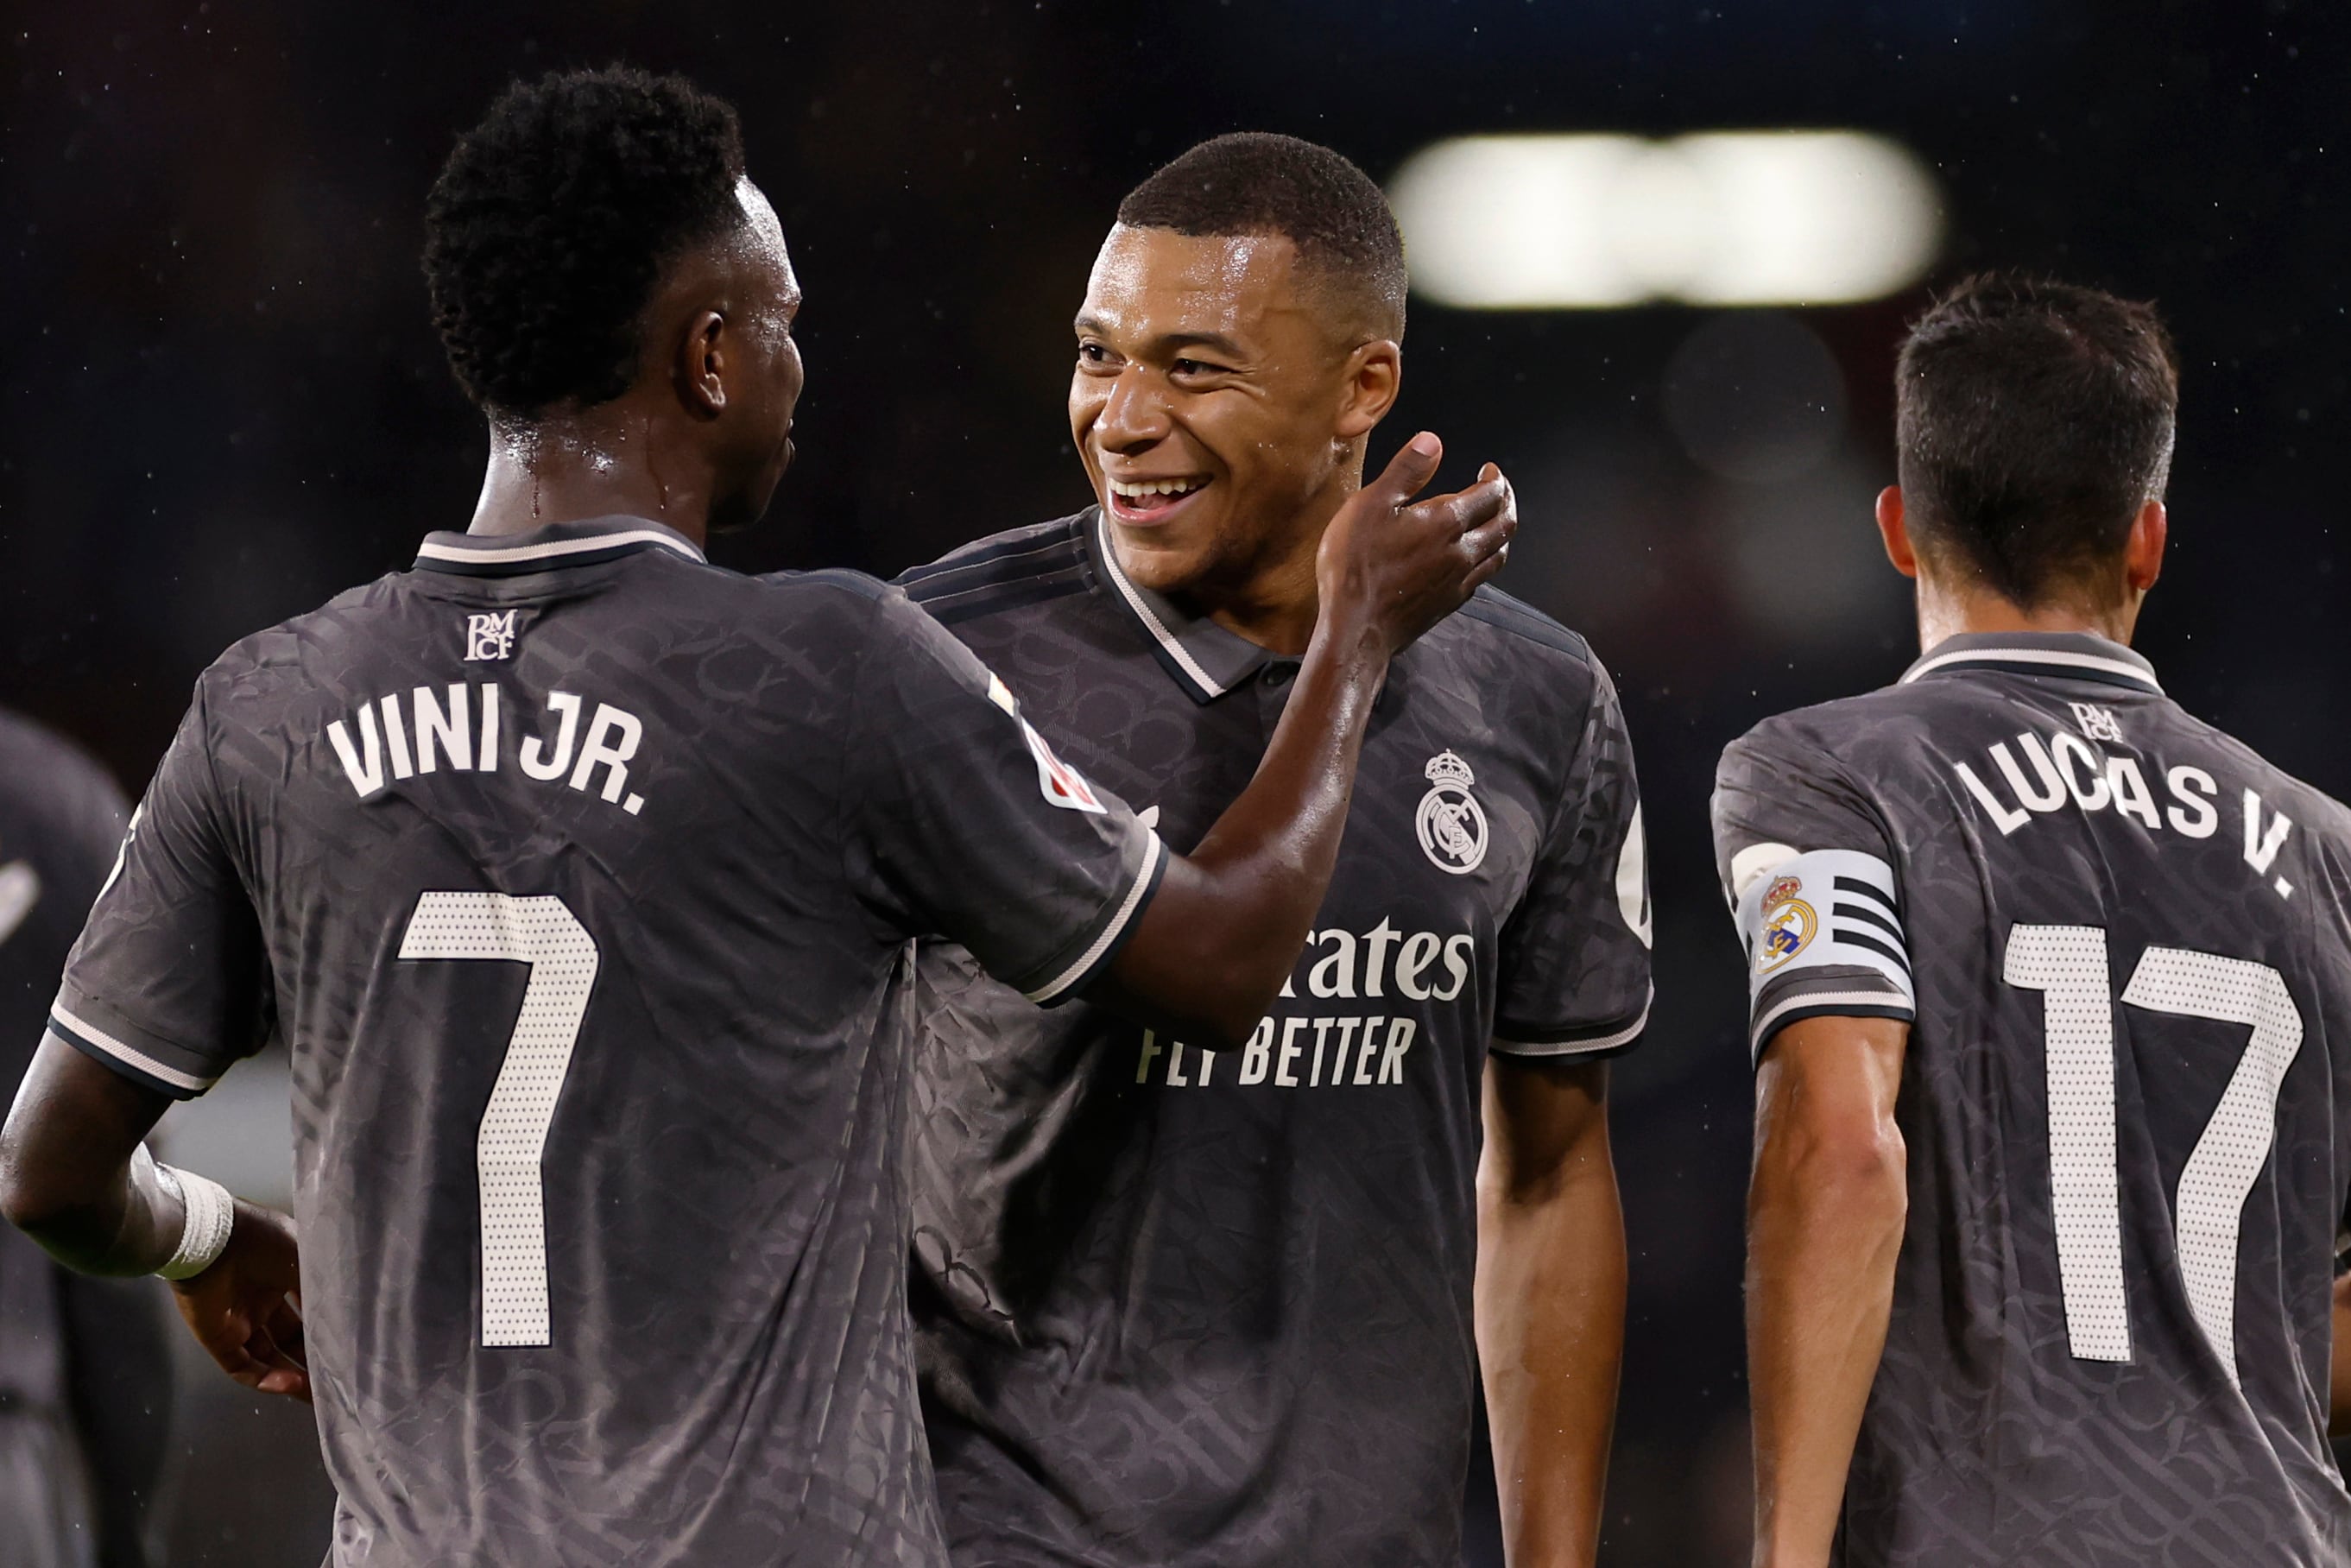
1451 825
1789 924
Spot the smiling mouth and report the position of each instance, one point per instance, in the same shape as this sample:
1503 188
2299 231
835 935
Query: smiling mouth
1149 500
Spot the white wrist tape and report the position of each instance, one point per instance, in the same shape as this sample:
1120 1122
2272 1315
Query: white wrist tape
211 1214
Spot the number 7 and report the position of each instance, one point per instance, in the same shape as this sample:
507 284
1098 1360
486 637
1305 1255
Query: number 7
2067 963
543 934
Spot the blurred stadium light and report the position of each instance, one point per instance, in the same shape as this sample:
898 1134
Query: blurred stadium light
1593 222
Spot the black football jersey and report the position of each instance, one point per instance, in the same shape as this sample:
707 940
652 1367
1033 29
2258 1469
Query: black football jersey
579 877
60 824
1212 1308
2122 940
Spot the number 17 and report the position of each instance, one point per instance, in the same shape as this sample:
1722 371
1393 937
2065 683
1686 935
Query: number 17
2067 964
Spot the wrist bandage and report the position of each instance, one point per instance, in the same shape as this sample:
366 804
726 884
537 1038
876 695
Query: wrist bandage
210 1213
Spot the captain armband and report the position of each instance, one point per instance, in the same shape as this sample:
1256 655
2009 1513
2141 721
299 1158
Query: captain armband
210 1214
1824 939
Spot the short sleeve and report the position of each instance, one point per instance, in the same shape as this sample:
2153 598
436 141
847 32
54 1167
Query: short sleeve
1574 960
1811 872
169 984
968 827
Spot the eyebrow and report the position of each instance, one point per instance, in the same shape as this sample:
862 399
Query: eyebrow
1217 341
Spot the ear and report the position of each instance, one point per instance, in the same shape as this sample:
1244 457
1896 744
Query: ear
702 365
1895 531
1374 377
2143 551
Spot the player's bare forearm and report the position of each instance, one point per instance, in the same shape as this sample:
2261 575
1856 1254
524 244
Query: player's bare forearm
2338 1422
1212 948
72 1177
68 1176
1824 1221
1550 1303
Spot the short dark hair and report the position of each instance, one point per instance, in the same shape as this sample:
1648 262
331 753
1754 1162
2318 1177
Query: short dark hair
2034 419
552 224
1255 183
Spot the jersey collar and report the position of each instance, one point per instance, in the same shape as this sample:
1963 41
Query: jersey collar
588 542
1204 658
2068 655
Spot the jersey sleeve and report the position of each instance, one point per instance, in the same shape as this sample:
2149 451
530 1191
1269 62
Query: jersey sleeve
968 827
1809 869
169 984
1575 955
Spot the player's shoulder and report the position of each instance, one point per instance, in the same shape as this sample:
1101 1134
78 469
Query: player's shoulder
2301 800
1495 619
2319 808
331 632
1826 739
849 621
830 603
825 590
679 592
1516 655
1005 571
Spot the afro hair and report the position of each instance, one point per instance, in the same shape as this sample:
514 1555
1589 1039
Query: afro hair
552 221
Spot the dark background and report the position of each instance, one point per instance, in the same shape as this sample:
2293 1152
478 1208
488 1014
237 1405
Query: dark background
223 403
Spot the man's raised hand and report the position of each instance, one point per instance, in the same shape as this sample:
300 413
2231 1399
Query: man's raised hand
1391 567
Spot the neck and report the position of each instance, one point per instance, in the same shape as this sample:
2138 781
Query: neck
613 460
1275 609
1945 612
1275 601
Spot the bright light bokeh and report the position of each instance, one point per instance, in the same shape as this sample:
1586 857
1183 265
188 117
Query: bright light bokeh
1592 222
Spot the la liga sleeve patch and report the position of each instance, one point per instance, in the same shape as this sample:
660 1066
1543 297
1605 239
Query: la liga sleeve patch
1062 784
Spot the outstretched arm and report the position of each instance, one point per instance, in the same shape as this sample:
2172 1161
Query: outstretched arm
1825 1213
74 1176
1211 950
1551 1302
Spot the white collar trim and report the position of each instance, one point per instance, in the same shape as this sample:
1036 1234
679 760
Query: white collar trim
1144 612
2052 657
557 549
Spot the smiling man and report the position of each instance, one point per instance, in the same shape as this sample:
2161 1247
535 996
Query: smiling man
578 875
1192 1306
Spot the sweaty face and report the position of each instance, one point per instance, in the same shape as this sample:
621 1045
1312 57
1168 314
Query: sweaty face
764 385
1205 405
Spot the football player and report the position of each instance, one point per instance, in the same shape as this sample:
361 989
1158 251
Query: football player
2051 1138
578 875
1187 1304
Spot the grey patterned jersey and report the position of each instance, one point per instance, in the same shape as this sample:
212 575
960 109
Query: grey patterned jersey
2124 940
580 876
60 823
1178 1306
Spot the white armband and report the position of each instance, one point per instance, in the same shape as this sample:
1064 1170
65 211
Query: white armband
1825 909
210 1213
